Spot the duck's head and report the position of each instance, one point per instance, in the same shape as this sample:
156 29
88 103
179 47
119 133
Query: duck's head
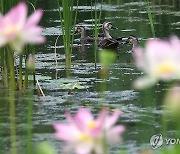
79 30
107 26
132 40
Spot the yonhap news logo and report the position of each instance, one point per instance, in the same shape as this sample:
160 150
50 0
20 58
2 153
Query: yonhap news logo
157 141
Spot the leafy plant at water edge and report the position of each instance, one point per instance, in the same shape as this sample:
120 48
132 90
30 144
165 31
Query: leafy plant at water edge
66 19
96 23
149 11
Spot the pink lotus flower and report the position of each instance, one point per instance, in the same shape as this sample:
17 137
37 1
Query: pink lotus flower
172 102
18 30
86 134
160 60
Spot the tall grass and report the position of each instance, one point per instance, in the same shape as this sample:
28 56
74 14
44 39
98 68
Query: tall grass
66 18
96 23
150 16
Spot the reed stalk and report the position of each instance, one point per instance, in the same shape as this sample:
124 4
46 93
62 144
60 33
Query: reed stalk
96 23
1 6
13 149
20 72
29 123
29 120
3 68
66 16
25 83
150 17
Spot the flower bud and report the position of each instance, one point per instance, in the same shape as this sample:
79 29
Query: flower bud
30 63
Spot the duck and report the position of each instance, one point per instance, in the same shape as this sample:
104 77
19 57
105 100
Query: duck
87 39
109 42
84 39
132 40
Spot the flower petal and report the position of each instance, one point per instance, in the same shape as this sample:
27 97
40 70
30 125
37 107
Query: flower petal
17 15
82 118
3 40
65 132
17 45
111 120
34 18
84 148
139 57
113 135
33 35
144 82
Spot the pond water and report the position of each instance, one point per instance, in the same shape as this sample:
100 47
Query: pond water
142 110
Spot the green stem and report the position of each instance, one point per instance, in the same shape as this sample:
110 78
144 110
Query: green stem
25 80
12 104
4 68
104 144
96 36
74 23
25 84
20 72
150 17
29 122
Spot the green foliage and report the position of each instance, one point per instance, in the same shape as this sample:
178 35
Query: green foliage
150 17
45 148
175 149
107 57
97 18
66 17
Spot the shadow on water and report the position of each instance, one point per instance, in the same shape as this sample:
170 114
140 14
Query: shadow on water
142 114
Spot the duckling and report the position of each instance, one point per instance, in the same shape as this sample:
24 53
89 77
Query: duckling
84 38
108 42
132 40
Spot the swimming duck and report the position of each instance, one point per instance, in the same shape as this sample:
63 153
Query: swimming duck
109 42
84 38
132 40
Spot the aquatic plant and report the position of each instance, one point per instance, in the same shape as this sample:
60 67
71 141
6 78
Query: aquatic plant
172 101
149 11
96 23
160 60
17 30
86 134
106 58
67 23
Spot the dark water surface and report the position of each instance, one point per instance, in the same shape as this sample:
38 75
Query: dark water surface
142 109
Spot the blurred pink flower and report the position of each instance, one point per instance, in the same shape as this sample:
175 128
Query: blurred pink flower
172 102
160 60
86 134
18 30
